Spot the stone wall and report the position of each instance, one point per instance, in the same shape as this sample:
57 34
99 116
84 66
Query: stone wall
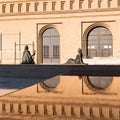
31 18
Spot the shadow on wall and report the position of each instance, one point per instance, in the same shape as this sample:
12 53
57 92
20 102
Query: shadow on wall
17 83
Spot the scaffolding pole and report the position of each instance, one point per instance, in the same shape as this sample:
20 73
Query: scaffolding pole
1 46
19 46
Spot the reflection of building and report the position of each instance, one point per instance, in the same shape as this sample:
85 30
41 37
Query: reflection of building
56 29
73 101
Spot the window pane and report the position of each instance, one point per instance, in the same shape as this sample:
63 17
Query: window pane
93 38
99 38
55 51
92 53
46 41
46 51
46 33
54 32
105 52
52 40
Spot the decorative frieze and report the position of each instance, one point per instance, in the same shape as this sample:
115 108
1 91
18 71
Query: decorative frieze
45 6
54 110
19 7
118 3
84 111
52 6
71 4
99 3
80 4
4 8
90 3
28 109
36 110
11 8
11 108
3 108
109 3
20 109
36 6
82 114
62 5
27 7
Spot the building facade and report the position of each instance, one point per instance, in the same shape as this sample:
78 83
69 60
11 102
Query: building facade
56 29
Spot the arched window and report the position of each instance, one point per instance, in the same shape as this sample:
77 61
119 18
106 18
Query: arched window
99 42
100 82
51 83
51 41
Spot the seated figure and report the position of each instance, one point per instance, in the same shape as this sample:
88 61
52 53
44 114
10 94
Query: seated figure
78 59
27 57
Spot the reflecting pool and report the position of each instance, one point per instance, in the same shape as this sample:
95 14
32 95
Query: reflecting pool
60 98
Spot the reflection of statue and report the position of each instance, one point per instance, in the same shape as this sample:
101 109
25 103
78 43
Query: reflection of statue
27 57
78 59
79 56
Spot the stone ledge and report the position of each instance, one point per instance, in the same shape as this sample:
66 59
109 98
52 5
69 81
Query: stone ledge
51 70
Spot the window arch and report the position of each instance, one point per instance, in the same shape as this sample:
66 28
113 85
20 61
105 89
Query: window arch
99 42
51 49
51 54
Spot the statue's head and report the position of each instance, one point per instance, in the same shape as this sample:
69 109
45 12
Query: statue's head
26 47
77 56
79 50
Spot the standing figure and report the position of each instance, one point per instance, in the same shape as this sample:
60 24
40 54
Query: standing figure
79 57
27 57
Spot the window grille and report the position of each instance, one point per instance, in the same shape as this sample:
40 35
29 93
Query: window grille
55 51
46 51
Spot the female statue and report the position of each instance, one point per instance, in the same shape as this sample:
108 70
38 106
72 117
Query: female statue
27 58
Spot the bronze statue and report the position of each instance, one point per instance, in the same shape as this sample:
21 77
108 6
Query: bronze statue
27 58
78 59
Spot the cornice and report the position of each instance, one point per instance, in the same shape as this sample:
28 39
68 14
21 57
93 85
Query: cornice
11 19
66 100
62 12
18 1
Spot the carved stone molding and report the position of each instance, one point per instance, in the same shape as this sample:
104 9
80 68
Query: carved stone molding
61 110
45 5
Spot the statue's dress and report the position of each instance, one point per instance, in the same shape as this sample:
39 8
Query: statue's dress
27 58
